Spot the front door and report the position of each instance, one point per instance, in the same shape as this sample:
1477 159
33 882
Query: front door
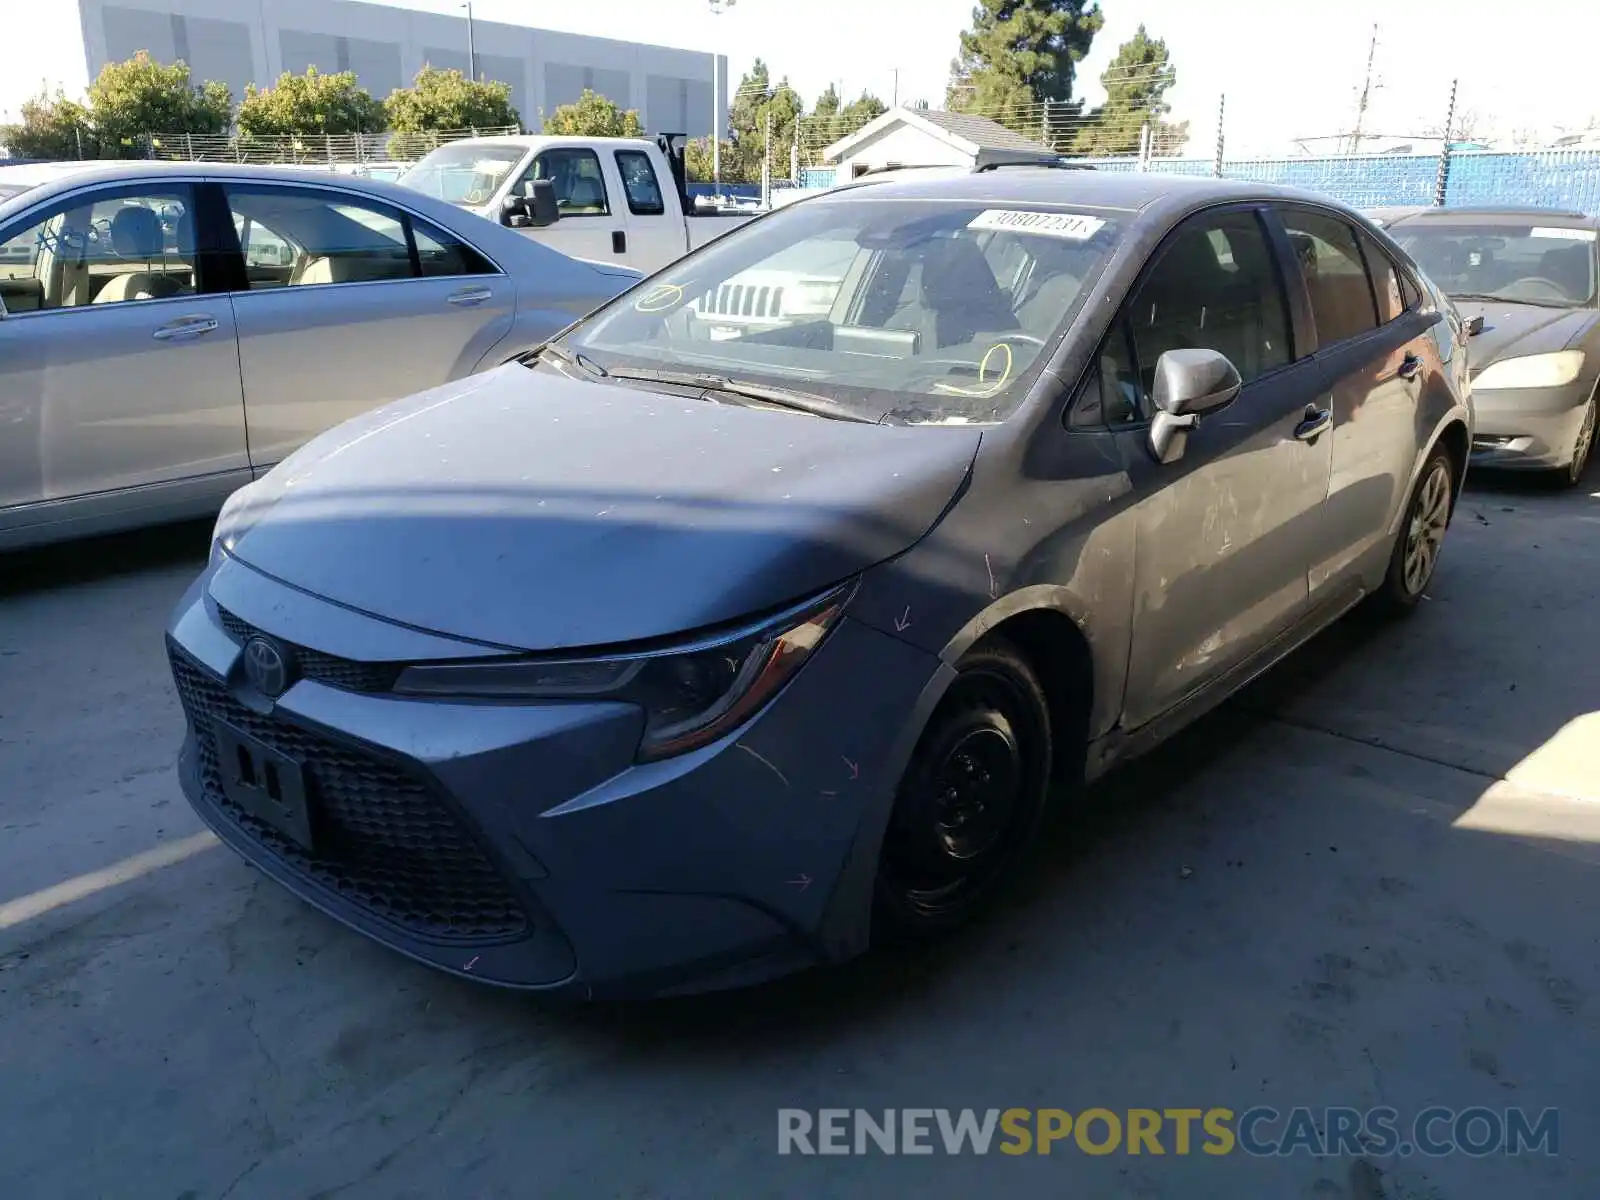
590 227
117 369
349 303
1221 559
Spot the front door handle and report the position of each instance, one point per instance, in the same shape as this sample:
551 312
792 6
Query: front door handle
470 296
1314 423
186 327
619 241
1409 366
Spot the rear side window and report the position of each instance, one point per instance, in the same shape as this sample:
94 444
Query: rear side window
1335 274
442 253
1387 284
640 184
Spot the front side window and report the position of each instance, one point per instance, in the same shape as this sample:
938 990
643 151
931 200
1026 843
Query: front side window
325 237
1552 265
1336 276
1214 286
889 307
640 184
579 184
116 248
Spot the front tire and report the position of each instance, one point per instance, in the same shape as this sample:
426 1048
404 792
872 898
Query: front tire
1572 474
970 804
1416 550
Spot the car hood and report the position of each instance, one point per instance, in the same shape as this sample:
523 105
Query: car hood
528 510
1511 330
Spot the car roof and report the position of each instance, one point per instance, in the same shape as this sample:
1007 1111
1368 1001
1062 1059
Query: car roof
1561 218
68 176
1128 191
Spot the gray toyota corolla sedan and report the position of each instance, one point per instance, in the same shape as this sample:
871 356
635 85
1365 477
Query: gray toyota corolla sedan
1526 280
691 652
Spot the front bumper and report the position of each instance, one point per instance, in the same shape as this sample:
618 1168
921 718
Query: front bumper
1528 428
518 844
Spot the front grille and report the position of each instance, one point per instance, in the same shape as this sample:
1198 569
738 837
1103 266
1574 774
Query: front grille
385 841
311 664
743 300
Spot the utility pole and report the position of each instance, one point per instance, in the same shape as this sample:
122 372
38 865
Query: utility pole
472 49
1366 92
896 103
1222 108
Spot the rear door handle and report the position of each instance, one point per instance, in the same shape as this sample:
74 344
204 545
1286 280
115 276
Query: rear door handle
1409 366
1314 424
470 296
186 327
619 241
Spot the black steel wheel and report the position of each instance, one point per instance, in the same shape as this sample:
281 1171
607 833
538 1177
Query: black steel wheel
969 806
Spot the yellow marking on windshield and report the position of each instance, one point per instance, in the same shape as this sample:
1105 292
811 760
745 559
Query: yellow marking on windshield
984 388
659 298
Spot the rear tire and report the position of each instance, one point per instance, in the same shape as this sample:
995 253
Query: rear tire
968 809
1421 538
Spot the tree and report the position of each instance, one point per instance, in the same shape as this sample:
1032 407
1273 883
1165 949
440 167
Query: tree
1136 85
52 127
447 99
138 97
829 122
1020 54
310 103
592 115
755 101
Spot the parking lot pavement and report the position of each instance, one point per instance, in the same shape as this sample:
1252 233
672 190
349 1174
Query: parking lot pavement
1369 880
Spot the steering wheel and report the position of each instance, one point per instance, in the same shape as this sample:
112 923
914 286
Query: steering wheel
1536 283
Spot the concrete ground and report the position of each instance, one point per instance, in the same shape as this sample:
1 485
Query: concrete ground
1370 880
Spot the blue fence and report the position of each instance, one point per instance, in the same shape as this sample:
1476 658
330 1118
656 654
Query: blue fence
1542 178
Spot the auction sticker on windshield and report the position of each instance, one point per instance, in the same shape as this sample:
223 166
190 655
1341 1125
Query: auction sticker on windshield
1569 235
1077 226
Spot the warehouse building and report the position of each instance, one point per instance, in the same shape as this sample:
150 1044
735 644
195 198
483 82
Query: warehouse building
64 43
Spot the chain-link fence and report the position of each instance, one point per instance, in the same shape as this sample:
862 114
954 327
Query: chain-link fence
302 149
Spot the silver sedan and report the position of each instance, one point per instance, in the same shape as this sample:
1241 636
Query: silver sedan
170 331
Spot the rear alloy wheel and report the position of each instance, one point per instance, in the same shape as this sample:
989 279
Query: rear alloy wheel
969 806
1416 550
1573 474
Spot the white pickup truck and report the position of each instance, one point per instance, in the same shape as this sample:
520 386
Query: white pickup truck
617 200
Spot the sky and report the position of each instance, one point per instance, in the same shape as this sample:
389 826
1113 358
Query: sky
1288 70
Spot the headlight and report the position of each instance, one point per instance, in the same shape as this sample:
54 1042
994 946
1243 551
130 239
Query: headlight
691 695
1532 371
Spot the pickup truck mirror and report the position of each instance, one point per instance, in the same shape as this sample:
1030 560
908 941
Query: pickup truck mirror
539 203
1189 384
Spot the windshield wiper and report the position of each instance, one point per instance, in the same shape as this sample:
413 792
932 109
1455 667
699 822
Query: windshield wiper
1491 298
806 402
568 359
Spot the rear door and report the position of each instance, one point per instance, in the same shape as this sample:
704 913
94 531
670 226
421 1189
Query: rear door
346 303
655 237
1223 532
118 365
1373 350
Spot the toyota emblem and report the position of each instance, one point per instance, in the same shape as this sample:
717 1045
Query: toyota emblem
266 667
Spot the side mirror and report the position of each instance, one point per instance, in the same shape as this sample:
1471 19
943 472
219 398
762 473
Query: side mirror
540 203
1189 384
514 212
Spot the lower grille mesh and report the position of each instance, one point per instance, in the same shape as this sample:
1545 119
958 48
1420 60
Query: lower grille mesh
385 842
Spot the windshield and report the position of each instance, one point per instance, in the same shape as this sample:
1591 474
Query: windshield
1526 264
910 310
465 174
